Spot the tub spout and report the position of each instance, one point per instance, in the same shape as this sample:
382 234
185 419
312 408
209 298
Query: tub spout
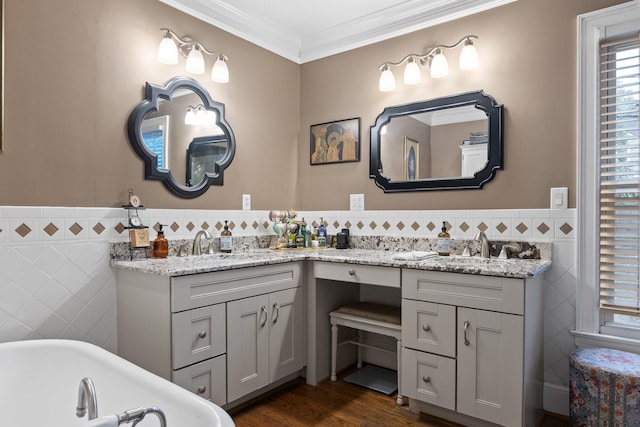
87 399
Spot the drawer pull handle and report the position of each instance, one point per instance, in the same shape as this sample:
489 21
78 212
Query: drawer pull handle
202 389
352 272
426 327
426 379
276 312
466 326
263 310
202 334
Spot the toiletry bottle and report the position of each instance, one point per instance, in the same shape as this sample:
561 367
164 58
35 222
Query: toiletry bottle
300 234
444 241
322 234
160 245
303 233
226 241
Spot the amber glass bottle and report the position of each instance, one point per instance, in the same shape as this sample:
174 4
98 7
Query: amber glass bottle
444 241
160 245
226 240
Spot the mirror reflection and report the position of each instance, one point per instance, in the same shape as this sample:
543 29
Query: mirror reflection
454 142
182 136
434 144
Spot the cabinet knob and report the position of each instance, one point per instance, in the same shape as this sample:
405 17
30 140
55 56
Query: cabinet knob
202 389
426 327
352 272
426 379
202 334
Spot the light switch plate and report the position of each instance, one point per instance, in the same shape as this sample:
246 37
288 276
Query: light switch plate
357 202
559 198
246 202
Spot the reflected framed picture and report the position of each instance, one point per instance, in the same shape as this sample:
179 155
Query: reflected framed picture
335 142
411 159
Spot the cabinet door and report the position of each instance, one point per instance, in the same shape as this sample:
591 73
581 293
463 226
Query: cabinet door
429 327
286 339
198 335
206 379
490 366
247 345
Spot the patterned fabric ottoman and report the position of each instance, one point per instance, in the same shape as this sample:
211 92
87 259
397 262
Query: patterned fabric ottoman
604 388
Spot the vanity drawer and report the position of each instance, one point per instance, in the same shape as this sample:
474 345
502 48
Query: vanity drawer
429 327
207 379
356 273
483 292
204 289
429 378
198 334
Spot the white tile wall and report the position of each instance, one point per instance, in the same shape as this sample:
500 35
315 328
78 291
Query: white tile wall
60 285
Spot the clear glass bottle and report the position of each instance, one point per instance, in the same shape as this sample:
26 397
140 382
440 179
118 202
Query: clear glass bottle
322 234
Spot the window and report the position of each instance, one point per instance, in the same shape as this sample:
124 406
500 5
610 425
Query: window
608 181
619 190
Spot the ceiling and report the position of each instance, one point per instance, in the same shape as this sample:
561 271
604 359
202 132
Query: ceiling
305 30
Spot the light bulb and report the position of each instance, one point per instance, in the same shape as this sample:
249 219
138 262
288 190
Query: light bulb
439 65
190 117
387 81
220 71
195 61
167 51
469 56
412 73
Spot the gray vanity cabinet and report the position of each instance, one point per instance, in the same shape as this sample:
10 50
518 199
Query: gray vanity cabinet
473 346
222 334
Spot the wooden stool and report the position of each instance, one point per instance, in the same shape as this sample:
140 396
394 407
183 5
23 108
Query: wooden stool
604 387
370 317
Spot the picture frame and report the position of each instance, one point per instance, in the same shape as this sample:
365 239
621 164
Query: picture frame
411 159
335 142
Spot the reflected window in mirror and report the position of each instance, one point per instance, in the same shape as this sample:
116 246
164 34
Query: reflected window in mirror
455 142
163 127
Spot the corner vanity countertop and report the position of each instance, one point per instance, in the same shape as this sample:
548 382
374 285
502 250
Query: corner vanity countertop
182 266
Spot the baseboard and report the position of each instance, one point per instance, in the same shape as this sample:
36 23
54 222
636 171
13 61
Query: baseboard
556 399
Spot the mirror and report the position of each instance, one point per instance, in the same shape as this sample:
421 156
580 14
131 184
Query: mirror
446 143
182 136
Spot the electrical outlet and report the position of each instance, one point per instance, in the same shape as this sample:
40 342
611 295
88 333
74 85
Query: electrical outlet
357 202
246 202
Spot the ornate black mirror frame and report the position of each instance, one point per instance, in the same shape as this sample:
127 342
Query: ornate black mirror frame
153 96
479 100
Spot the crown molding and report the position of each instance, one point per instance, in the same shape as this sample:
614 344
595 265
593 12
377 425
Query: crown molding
395 21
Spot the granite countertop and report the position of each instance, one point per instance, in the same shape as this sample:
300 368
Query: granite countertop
182 266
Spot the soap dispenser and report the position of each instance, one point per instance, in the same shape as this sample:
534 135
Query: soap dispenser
443 246
160 244
226 239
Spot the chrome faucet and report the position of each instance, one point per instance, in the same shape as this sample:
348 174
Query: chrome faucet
197 249
137 415
484 244
87 399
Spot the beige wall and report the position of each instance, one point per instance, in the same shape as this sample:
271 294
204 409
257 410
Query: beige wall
75 69
528 63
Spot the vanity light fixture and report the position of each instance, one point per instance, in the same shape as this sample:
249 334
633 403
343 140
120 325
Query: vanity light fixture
172 46
198 115
434 57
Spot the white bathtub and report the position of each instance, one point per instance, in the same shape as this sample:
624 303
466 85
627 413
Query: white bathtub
39 387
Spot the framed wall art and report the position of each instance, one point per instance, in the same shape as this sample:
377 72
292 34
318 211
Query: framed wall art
335 142
411 159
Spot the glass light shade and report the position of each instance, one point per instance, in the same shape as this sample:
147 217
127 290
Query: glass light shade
469 56
195 61
220 71
201 116
190 117
211 117
439 66
383 130
412 73
387 81
168 51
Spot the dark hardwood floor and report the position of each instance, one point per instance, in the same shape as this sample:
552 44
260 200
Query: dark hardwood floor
338 404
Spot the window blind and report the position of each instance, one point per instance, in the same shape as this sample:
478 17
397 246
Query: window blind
620 175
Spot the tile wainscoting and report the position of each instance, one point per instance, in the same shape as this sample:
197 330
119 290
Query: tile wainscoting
56 282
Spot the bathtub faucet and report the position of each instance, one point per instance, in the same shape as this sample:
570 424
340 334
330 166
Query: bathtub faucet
87 399
137 415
